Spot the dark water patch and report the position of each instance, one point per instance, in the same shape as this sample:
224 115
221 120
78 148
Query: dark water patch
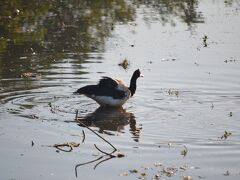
186 102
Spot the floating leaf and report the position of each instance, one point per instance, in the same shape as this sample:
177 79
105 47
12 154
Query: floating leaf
227 173
184 151
226 135
133 171
125 63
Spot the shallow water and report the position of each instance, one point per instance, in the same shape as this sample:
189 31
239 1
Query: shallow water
189 95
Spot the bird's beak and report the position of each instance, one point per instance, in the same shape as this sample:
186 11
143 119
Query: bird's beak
141 75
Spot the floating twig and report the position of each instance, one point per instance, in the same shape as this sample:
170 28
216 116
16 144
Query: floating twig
108 154
105 153
86 163
83 136
114 149
71 145
103 161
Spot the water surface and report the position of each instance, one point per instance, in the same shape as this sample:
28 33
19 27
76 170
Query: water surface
174 125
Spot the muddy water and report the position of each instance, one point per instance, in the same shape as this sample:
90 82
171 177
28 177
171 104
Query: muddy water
174 126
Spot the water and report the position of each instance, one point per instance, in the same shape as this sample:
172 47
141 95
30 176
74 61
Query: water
189 95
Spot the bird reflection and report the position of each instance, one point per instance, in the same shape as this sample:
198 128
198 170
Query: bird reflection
109 119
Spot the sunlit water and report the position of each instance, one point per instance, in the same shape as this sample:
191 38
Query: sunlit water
189 96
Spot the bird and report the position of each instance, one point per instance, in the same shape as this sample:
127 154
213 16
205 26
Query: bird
111 92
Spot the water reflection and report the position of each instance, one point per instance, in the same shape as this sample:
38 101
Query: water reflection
112 119
34 35
166 10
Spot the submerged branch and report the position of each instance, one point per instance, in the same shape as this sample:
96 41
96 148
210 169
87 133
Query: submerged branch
108 154
86 163
105 153
114 149
83 136
103 161
71 145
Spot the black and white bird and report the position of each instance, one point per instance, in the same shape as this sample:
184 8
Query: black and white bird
111 92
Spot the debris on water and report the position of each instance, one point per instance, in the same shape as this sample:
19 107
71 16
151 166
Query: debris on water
32 143
230 114
33 52
133 171
201 177
157 164
157 177
169 171
230 60
187 178
124 64
17 12
173 92
120 155
183 168
112 26
23 57
226 135
169 92
60 147
54 109
196 64
184 151
150 62
212 106
166 60
29 75
177 93
227 173
205 40
84 136
158 169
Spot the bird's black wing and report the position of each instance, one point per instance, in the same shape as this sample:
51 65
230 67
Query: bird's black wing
108 82
97 90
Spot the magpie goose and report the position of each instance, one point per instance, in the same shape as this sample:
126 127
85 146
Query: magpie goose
111 92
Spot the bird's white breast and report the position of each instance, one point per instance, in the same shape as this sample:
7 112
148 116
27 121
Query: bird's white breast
110 101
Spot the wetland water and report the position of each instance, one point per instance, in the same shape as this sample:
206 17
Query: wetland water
183 119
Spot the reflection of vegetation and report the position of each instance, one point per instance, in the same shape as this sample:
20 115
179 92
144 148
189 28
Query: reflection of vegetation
40 31
77 25
230 2
64 25
168 9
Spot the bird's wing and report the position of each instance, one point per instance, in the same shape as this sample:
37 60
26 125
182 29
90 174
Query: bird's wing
108 82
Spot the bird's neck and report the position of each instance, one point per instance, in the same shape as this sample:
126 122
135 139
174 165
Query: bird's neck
133 85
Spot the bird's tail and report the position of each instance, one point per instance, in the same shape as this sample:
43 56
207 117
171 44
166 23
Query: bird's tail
84 90
79 91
